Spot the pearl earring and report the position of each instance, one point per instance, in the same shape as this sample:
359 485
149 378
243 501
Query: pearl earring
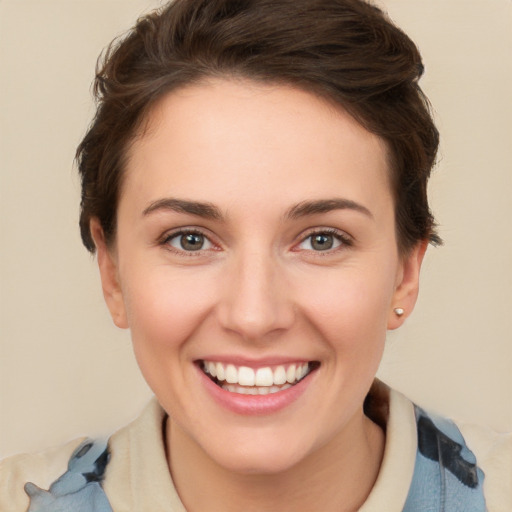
398 311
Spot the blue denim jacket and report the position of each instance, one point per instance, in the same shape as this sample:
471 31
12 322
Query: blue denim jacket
446 477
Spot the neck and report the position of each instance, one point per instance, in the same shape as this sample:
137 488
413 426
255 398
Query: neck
337 477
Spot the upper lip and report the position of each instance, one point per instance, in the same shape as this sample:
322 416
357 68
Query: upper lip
238 360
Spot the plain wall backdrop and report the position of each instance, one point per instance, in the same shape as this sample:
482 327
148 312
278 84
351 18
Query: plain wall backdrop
66 371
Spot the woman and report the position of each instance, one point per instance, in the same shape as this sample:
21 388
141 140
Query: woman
254 186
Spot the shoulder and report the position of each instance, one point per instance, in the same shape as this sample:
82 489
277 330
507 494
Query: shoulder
43 468
472 460
120 477
493 452
470 457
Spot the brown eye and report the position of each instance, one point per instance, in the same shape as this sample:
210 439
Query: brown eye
322 242
189 242
192 242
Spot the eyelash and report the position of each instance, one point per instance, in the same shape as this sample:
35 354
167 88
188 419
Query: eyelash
166 239
343 239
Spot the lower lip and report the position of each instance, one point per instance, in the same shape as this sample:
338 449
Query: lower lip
255 404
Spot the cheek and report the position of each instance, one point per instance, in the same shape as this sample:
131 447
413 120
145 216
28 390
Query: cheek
164 309
164 313
350 307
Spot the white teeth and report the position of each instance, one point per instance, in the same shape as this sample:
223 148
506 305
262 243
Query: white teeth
264 377
231 374
291 376
279 375
264 380
246 376
219 370
254 390
212 369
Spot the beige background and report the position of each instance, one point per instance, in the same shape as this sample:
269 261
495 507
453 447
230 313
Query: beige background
66 371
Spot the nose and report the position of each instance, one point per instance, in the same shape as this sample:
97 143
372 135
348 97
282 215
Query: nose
256 303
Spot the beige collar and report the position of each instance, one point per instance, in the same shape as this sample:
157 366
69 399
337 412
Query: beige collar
138 477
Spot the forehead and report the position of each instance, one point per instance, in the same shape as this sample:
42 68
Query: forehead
231 138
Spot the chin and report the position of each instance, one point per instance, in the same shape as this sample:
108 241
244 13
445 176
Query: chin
259 456
260 464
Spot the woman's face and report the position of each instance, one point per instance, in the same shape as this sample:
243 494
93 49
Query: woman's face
256 238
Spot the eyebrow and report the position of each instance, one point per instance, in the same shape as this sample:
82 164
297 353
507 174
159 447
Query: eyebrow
210 211
204 210
306 208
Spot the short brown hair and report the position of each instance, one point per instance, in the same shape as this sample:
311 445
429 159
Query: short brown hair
346 51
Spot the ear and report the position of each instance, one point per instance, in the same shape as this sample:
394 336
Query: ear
107 263
407 286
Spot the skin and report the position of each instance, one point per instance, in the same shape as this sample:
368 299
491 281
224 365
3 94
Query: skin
259 289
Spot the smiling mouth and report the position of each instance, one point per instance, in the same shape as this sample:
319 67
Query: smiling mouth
261 381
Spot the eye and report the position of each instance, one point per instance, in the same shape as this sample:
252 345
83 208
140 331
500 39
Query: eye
324 241
189 241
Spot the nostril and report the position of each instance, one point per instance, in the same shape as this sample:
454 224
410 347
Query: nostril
255 322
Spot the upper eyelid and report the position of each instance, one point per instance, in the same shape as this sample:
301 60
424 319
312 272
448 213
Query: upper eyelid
170 233
180 231
325 230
